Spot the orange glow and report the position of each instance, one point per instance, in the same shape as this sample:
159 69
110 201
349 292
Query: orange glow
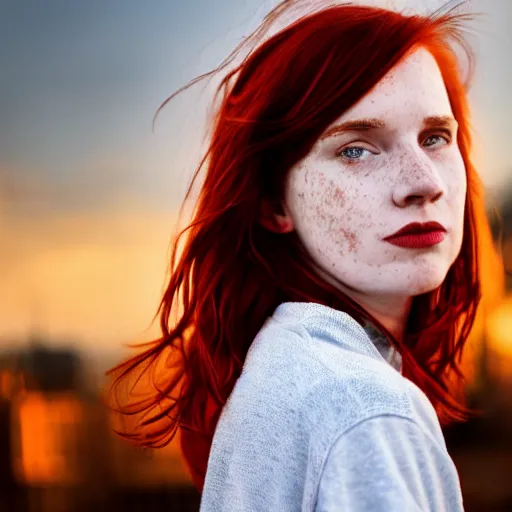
94 278
6 383
47 438
493 291
500 330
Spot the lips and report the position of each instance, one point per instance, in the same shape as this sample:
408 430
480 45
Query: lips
417 228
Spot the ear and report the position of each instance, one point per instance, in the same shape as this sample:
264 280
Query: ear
273 217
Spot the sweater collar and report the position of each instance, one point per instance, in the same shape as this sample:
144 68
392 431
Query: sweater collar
323 320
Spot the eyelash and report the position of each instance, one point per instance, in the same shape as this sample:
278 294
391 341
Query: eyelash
446 136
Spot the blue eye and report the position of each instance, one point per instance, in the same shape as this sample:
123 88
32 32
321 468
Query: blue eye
437 138
354 153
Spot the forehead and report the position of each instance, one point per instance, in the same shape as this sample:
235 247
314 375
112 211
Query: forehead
412 90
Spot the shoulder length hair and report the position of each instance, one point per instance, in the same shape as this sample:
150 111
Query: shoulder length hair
232 272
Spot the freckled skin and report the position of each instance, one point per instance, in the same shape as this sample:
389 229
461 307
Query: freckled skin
342 209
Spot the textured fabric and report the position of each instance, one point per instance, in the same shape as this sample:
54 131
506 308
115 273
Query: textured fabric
321 420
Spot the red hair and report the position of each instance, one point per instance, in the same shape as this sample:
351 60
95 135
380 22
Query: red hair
232 272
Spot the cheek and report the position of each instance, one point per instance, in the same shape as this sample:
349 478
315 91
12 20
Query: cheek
456 199
458 184
324 214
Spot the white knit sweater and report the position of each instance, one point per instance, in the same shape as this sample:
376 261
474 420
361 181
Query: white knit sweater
321 420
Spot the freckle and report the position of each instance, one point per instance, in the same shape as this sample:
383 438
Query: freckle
350 237
352 241
320 212
339 195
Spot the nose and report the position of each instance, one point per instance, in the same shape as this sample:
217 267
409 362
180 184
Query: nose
418 181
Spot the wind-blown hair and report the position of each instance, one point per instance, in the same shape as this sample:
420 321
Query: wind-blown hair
233 272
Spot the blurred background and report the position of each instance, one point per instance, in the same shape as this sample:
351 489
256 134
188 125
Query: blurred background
88 201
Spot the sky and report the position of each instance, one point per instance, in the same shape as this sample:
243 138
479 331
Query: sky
89 193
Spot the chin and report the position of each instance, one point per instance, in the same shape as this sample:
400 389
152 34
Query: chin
426 283
429 276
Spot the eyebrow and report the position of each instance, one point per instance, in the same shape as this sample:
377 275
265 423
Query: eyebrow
371 123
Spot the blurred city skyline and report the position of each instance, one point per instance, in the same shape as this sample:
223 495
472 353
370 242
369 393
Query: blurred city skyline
89 196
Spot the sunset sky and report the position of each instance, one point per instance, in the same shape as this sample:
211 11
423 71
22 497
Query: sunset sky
89 195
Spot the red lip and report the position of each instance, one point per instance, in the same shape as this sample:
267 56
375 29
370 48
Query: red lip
417 228
417 236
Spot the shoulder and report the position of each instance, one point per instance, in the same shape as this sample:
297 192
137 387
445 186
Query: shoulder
327 383
387 462
338 401
292 402
313 388
357 388
291 390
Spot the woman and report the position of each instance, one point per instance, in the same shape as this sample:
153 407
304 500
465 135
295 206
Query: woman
315 352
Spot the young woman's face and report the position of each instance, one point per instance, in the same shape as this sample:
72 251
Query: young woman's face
359 185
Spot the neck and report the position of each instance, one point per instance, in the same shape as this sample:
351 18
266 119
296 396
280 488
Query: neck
391 311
